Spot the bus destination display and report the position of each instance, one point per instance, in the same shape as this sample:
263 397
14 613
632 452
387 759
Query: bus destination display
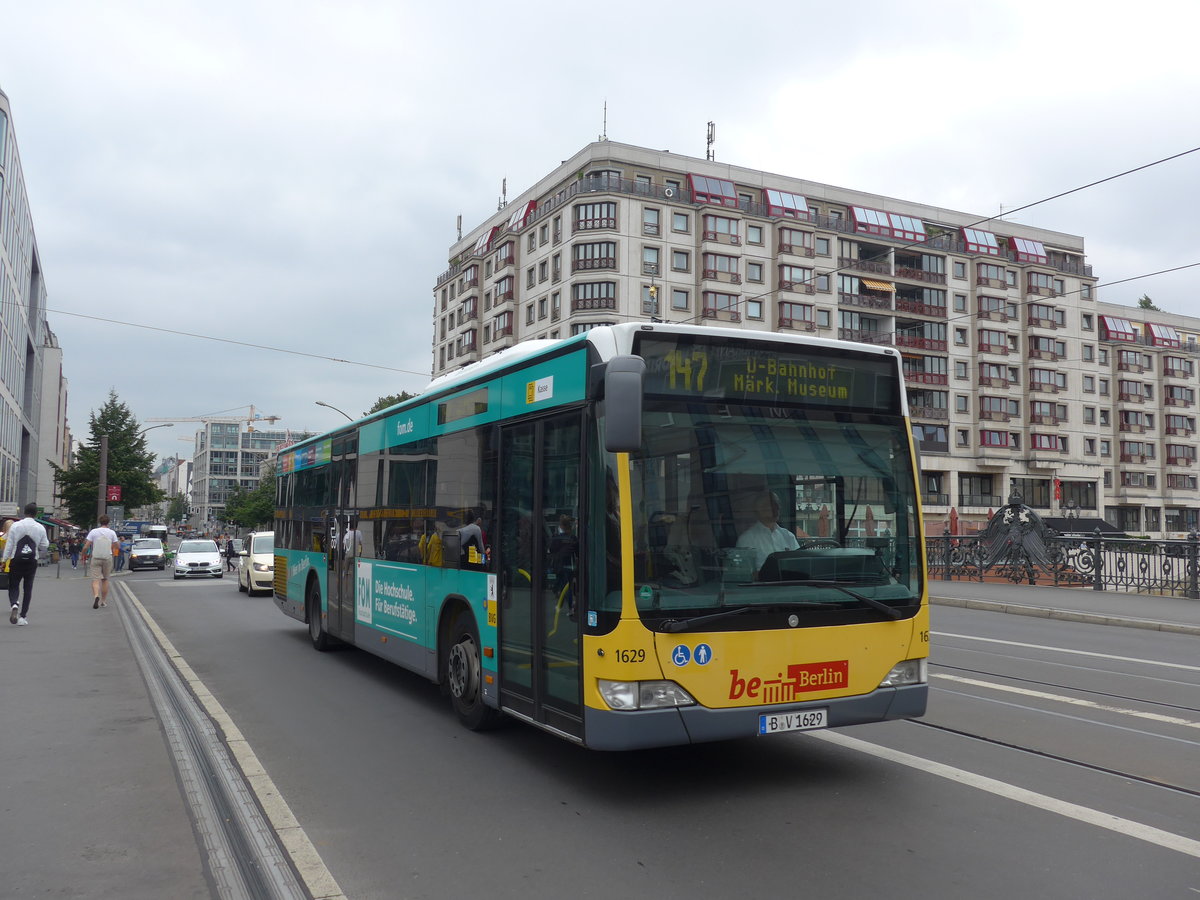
767 372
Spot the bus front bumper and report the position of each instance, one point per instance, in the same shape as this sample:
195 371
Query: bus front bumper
609 730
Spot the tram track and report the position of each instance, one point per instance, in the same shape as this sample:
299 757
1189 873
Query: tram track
1056 757
1068 687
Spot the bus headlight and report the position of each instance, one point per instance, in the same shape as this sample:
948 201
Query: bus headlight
624 695
911 671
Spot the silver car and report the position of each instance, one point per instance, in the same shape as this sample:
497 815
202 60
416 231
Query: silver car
198 557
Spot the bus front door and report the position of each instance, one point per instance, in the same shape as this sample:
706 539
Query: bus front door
539 635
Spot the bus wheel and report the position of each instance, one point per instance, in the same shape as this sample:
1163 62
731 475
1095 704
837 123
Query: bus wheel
464 675
320 637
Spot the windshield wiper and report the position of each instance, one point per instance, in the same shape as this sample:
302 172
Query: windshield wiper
862 598
673 626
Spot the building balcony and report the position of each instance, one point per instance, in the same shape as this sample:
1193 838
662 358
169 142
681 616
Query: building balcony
1181 460
1132 428
934 413
798 287
721 315
720 237
1045 420
584 265
935 499
796 250
1131 398
920 342
1178 401
592 303
875 266
992 315
992 381
904 304
1002 349
1135 458
993 415
724 277
1180 432
1045 387
926 378
593 225
1171 372
789 324
920 275
1038 322
864 336
866 301
1044 354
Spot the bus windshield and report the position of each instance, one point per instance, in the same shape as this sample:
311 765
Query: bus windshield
807 516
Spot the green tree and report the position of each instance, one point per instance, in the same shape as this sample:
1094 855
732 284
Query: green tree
253 508
1146 303
178 509
129 464
389 400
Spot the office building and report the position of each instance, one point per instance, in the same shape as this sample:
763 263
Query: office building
1018 377
24 334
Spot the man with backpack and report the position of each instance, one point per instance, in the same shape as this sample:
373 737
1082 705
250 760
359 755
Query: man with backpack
26 541
98 551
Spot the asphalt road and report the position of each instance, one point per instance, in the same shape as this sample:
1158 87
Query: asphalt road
1057 760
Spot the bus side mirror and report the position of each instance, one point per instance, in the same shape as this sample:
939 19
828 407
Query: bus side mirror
623 404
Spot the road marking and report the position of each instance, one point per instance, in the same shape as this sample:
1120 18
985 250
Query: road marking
1156 836
1132 659
295 841
1073 701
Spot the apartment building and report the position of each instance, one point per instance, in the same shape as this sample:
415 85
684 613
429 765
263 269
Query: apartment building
1018 377
227 455
23 334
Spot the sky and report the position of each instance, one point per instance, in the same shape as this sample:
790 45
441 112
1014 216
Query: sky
289 174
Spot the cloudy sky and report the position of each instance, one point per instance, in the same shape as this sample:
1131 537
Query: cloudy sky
288 174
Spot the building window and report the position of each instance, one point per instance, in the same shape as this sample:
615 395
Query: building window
679 299
960 369
712 190
754 271
960 269
543 270
823 319
754 309
961 403
650 218
754 234
650 261
1088 352
532 241
543 307
681 222
590 216
544 235
821 246
680 260
529 314
721 228
960 336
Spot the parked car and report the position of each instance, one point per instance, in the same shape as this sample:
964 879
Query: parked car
198 557
147 553
256 563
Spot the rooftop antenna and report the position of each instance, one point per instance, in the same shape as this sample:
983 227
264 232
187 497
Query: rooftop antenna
604 127
460 226
712 137
503 194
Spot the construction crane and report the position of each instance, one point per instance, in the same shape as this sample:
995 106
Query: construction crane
254 418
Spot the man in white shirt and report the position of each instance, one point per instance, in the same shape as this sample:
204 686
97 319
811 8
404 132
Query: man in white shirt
766 536
97 553
26 542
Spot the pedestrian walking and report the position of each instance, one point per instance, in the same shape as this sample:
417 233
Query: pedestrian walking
98 557
230 555
26 541
74 548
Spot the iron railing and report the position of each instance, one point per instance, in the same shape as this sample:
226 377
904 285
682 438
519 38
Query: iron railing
1101 563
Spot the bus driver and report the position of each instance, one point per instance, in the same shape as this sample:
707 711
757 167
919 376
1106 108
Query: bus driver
766 536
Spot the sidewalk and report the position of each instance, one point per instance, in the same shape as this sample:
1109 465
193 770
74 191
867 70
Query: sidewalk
1173 614
89 802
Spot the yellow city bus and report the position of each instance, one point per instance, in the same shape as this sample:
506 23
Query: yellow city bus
644 535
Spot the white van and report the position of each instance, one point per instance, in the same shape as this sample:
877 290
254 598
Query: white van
155 531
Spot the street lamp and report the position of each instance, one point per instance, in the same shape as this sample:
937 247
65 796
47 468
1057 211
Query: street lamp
334 408
152 427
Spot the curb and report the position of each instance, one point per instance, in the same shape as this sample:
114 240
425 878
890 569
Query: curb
1066 615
